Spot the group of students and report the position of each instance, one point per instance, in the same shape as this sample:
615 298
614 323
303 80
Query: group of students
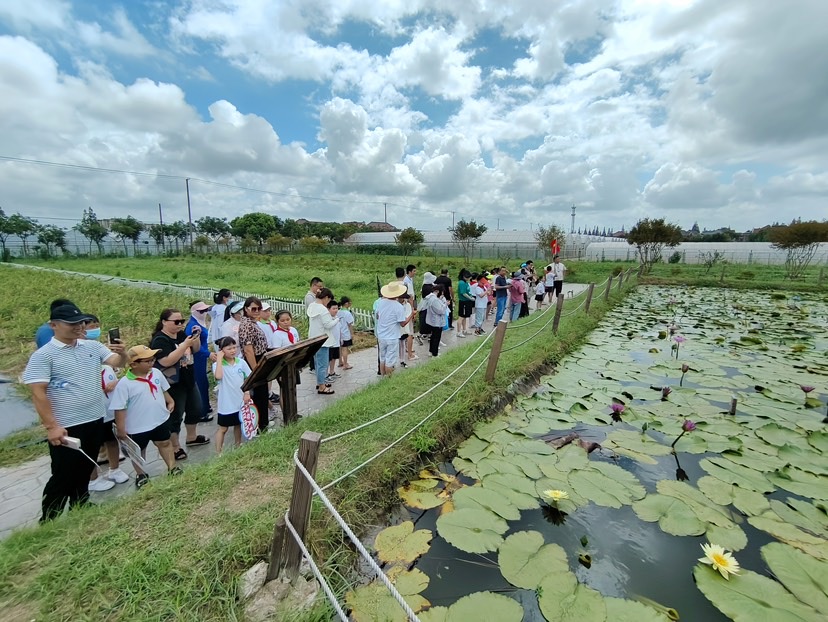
334 320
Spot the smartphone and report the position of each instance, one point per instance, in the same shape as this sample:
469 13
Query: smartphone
114 335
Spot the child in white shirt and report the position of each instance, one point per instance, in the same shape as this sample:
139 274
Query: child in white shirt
540 292
346 322
230 372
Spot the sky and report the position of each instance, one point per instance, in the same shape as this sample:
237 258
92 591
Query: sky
507 113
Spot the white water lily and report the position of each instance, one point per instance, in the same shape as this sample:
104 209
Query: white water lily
721 560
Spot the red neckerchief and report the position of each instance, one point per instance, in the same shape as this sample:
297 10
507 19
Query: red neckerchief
291 338
153 388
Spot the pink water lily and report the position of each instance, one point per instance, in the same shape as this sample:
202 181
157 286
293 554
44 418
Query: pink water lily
806 388
617 410
678 341
684 369
687 426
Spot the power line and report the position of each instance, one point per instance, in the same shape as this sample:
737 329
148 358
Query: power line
97 169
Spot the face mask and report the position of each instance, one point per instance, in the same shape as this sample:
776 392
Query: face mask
93 333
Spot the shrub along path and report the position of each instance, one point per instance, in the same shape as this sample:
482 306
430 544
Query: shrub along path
22 485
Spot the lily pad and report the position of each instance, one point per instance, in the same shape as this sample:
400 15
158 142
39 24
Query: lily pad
778 435
791 534
519 490
472 530
805 577
420 498
400 543
623 610
607 485
736 474
562 599
801 483
639 447
476 497
485 607
750 597
525 560
731 537
673 515
696 501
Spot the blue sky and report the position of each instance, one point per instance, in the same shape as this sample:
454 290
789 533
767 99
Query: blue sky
682 109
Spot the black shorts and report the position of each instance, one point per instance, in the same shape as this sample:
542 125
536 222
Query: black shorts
161 433
539 297
333 354
404 336
348 343
466 308
558 287
549 288
108 432
228 421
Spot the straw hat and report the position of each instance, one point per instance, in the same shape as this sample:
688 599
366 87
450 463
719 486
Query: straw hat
394 289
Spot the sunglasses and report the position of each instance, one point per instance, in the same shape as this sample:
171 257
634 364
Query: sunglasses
254 308
177 322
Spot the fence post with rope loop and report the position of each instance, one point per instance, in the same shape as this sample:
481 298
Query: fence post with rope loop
497 346
589 297
558 310
640 270
300 503
620 281
608 288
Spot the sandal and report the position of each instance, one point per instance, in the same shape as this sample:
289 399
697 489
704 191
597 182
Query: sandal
326 391
180 454
348 367
198 440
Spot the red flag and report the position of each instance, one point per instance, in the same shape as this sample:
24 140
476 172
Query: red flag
554 246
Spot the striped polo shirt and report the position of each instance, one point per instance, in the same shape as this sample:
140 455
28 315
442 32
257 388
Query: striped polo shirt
73 376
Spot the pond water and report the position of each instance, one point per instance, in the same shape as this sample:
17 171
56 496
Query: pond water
486 540
16 413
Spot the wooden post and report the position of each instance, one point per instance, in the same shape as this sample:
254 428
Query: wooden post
287 397
733 402
558 310
497 346
620 281
640 269
589 297
721 278
277 545
300 500
609 287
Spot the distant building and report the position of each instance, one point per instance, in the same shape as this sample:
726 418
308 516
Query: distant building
380 227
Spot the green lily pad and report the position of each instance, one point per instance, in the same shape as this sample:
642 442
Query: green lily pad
474 449
731 537
472 530
736 474
771 523
805 577
819 441
607 485
623 610
517 489
696 501
750 597
639 447
778 435
673 515
525 560
374 602
748 502
401 543
800 483
475 497
562 599
423 499
480 607
495 464
803 515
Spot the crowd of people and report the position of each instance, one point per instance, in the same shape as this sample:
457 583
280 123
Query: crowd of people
92 396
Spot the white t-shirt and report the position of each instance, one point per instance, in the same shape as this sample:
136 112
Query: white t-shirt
409 285
108 375
346 320
408 329
389 314
281 339
481 300
336 332
549 278
216 314
540 289
145 409
268 328
558 270
231 329
230 394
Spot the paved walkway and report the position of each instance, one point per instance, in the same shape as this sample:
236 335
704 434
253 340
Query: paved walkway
21 486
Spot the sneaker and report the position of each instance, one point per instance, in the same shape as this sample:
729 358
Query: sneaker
117 476
413 357
141 480
176 470
274 398
403 363
100 484
443 344
331 378
461 335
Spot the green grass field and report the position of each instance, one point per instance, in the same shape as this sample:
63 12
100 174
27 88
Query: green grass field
176 551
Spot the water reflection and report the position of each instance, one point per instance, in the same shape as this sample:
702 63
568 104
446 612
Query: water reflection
16 413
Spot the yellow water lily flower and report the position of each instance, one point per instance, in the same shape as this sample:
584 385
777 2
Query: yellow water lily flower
556 495
721 560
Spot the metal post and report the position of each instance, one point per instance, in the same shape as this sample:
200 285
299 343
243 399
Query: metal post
589 297
300 500
497 346
189 213
609 287
161 221
556 322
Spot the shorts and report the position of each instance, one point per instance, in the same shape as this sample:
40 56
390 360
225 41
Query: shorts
108 432
558 287
187 406
466 308
158 434
348 343
228 421
539 297
333 354
549 288
389 351
404 337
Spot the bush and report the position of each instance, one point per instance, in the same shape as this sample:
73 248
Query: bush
675 257
617 270
747 275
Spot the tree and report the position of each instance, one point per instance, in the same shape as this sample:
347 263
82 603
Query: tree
312 244
544 236
292 229
51 235
158 233
201 242
128 229
409 240
92 229
277 242
178 231
214 228
801 241
466 235
24 228
257 226
5 232
650 237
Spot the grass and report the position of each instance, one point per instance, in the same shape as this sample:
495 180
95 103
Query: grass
176 550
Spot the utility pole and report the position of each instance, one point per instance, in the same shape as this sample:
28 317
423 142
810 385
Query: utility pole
452 220
161 221
572 228
498 224
385 206
190 212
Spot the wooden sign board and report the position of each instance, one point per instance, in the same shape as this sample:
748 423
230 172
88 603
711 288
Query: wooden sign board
283 365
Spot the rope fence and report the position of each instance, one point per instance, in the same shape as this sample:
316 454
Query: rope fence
306 487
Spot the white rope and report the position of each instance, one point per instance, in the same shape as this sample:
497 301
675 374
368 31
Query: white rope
575 310
327 588
539 316
412 401
422 421
352 537
530 338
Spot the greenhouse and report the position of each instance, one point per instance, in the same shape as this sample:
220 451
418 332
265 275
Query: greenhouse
698 252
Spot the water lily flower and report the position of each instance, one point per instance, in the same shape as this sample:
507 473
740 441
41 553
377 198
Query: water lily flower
684 369
679 339
721 560
806 389
687 426
556 495
665 391
617 410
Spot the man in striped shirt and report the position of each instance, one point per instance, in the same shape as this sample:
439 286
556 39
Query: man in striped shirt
65 378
